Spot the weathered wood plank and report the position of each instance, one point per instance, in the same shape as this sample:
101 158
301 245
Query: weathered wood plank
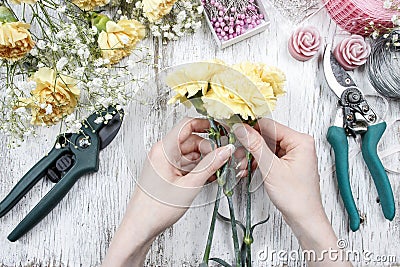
78 231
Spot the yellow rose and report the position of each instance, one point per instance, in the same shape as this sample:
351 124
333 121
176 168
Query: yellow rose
15 40
89 4
156 9
192 78
120 39
54 97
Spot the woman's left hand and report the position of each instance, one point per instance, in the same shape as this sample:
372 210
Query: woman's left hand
175 171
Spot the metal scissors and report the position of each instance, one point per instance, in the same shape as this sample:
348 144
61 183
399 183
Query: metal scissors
73 156
355 117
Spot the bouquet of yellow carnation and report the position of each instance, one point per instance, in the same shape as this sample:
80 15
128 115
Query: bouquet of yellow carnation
227 95
223 92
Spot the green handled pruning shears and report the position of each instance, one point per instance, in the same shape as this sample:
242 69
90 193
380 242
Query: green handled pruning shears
355 116
73 156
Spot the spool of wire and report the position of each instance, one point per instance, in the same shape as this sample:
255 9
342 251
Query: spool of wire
384 65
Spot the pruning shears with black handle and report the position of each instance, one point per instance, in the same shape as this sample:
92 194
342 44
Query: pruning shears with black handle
355 117
74 155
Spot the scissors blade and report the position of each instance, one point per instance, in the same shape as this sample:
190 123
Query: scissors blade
110 130
106 131
336 77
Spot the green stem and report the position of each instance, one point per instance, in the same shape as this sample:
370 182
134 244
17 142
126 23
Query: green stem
214 134
212 226
230 182
248 238
234 231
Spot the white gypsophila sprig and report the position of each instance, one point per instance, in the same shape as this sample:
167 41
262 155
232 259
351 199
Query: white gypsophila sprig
185 17
67 44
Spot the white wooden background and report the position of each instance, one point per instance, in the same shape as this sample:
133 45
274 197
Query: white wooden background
79 230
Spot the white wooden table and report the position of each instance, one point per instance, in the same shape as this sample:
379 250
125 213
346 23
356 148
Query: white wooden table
79 230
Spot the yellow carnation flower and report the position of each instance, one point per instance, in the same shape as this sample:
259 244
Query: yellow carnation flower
156 9
54 97
275 77
120 39
15 40
90 4
233 93
192 78
247 89
269 80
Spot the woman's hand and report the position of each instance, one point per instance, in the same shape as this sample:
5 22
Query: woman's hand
172 176
288 163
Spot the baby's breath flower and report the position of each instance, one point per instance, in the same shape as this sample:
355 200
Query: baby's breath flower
67 49
139 4
41 44
99 120
200 9
396 20
188 5
181 16
108 117
49 109
61 9
387 4
61 63
395 38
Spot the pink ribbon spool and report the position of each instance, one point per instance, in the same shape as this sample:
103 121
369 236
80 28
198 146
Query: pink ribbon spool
354 15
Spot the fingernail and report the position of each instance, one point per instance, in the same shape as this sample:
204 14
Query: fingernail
239 130
239 174
238 165
227 151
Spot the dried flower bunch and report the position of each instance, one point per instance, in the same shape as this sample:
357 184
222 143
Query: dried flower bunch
228 94
61 60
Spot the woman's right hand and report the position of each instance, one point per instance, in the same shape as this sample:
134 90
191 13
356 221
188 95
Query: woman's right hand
288 162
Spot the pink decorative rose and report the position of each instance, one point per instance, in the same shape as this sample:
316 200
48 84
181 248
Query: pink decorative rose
304 43
352 52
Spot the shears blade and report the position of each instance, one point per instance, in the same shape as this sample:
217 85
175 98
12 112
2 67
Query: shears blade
336 77
110 130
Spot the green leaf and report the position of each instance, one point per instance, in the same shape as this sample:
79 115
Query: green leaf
221 262
6 15
225 219
259 223
99 21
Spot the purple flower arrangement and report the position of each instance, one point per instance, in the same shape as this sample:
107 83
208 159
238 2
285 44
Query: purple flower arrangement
230 19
